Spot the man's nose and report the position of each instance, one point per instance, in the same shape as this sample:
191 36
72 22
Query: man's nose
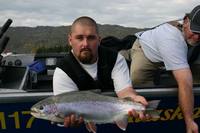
197 36
85 41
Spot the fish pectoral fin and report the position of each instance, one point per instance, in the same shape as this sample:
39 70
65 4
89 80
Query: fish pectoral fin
122 123
60 116
91 127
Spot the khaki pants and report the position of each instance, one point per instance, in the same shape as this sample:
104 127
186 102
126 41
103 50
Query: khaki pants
143 71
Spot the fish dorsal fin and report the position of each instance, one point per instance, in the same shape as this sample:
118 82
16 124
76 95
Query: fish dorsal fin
122 123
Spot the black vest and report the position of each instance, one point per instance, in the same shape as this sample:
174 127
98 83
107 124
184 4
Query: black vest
82 79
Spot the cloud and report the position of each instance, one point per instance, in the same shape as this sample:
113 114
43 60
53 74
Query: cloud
130 13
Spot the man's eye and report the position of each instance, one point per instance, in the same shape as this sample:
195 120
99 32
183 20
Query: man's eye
91 37
79 38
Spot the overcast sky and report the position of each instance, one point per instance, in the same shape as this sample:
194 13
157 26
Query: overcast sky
128 13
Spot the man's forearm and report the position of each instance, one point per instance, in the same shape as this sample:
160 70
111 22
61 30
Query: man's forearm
127 92
185 93
186 101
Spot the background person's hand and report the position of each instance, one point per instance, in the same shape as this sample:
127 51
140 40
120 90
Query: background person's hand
141 115
192 127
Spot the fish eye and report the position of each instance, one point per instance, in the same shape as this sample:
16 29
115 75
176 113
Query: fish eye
41 107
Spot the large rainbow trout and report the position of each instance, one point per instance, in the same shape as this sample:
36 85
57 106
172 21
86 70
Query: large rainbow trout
91 106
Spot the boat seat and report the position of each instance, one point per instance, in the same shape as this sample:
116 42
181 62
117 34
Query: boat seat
12 77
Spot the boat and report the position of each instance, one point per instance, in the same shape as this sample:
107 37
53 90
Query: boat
27 78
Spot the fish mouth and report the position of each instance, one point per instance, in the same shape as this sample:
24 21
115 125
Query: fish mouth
34 112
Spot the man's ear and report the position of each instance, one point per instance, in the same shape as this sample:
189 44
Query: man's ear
69 39
186 21
99 40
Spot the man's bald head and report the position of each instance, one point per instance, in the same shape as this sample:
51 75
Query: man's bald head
85 21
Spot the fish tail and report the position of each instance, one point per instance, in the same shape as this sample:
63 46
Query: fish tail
153 113
151 109
153 104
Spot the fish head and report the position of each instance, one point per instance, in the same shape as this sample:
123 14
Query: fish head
46 109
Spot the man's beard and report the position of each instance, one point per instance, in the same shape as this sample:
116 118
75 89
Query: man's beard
190 42
85 56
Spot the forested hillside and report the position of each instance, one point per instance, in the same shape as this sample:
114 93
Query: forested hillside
30 39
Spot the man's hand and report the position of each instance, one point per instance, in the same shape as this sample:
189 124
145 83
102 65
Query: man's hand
141 115
186 97
72 121
130 92
192 127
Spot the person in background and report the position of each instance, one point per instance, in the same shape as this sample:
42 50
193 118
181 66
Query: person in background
89 66
168 44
